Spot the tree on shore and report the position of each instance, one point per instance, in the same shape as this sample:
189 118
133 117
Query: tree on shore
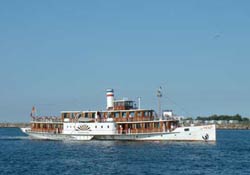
237 117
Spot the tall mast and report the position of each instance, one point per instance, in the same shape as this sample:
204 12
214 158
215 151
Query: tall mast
139 102
159 95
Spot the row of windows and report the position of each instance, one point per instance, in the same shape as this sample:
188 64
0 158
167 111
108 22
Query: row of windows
145 125
78 115
46 126
95 126
109 115
102 126
126 103
133 114
135 126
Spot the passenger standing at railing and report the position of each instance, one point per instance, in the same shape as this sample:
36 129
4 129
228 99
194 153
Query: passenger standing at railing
121 129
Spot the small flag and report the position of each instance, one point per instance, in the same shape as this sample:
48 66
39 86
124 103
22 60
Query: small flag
33 111
159 92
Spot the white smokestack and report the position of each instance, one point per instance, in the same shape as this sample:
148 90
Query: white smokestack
110 98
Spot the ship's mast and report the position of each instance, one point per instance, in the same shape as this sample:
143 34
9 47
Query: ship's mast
159 95
33 112
139 102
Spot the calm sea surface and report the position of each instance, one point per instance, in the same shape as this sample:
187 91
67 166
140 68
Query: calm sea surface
20 155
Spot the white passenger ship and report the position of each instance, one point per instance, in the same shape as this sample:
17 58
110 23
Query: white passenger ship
122 120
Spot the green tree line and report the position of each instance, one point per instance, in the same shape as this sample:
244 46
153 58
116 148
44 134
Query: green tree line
224 117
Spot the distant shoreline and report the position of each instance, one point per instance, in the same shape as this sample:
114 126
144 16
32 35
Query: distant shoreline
219 127
14 125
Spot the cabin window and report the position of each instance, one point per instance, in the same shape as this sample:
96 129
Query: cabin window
150 113
108 126
101 126
130 126
157 125
93 115
186 129
147 125
138 125
95 126
139 113
133 126
117 115
131 114
146 113
99 115
109 115
64 115
124 114
130 104
86 115
127 103
143 113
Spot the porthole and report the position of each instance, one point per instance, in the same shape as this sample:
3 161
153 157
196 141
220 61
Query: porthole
108 126
101 126
95 126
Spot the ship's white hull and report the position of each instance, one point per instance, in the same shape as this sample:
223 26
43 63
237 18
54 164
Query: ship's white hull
198 133
192 133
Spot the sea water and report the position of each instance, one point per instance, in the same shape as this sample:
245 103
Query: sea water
20 155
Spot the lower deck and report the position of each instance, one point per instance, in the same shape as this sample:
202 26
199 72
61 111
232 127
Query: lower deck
105 127
192 133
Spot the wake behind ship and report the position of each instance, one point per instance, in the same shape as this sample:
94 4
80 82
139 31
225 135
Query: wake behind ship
121 120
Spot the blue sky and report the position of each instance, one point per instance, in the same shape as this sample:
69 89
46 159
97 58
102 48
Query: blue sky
63 55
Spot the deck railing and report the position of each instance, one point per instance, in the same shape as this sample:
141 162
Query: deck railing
140 130
47 130
46 119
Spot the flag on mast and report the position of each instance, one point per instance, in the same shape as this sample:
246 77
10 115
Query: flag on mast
159 92
33 112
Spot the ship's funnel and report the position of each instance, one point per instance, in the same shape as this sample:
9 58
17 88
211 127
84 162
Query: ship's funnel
110 98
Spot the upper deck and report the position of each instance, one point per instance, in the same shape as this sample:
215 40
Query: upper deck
110 115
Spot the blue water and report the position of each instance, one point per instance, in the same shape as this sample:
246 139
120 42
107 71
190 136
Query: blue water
20 155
